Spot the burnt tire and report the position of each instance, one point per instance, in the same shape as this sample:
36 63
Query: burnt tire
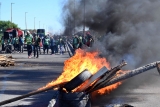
78 80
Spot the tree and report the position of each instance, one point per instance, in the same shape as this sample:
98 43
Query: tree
5 25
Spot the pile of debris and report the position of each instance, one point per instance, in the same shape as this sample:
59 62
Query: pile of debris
6 61
65 96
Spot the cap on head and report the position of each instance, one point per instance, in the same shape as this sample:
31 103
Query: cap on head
28 32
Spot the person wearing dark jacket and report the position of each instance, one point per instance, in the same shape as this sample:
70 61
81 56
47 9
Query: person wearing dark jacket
2 43
21 43
36 42
53 45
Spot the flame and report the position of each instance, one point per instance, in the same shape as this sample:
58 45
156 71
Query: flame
80 61
108 89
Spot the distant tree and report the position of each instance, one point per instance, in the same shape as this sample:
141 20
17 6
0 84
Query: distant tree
7 24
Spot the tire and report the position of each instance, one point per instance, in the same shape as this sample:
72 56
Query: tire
78 80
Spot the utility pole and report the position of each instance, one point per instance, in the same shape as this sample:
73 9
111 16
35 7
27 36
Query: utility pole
84 19
26 20
34 22
74 16
11 11
39 24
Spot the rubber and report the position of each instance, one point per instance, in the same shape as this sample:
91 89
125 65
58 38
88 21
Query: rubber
78 80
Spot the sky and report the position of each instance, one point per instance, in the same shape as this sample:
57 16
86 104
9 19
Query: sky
47 14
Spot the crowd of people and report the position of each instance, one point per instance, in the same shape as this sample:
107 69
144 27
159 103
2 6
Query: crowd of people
34 43
80 41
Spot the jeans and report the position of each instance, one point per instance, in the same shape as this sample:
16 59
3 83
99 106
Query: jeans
21 48
29 49
36 51
56 48
39 48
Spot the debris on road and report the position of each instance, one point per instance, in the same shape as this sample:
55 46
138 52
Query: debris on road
6 61
75 84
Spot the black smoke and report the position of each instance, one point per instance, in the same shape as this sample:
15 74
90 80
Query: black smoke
131 27
131 31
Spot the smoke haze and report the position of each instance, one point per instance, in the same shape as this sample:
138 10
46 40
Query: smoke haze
130 28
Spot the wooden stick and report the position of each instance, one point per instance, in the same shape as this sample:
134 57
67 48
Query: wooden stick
29 94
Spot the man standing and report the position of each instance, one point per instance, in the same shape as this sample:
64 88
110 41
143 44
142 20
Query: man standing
39 43
2 43
21 43
36 42
75 42
89 39
46 44
29 40
53 45
17 46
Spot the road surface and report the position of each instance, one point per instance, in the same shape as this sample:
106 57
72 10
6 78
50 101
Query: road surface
30 74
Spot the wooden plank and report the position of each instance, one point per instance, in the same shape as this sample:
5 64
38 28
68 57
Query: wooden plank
97 75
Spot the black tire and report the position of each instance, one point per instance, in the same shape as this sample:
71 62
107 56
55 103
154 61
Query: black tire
78 80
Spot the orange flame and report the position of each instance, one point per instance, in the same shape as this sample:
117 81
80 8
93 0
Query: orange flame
80 61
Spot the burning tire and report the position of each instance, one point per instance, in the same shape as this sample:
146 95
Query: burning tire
78 80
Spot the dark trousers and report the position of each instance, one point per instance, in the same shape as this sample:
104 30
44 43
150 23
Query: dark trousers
46 47
36 51
17 47
14 47
53 49
56 48
21 48
8 49
29 49
3 47
39 48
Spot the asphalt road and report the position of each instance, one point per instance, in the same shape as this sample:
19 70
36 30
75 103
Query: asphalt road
30 74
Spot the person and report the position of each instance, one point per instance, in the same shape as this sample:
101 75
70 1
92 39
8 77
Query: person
36 43
61 46
53 45
21 43
17 48
80 42
2 43
14 44
29 40
8 45
46 44
56 46
40 43
75 42
89 39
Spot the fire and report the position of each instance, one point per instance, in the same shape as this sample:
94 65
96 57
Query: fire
80 61
108 89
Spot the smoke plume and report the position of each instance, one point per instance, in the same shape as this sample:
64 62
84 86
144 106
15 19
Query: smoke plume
128 29
131 27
